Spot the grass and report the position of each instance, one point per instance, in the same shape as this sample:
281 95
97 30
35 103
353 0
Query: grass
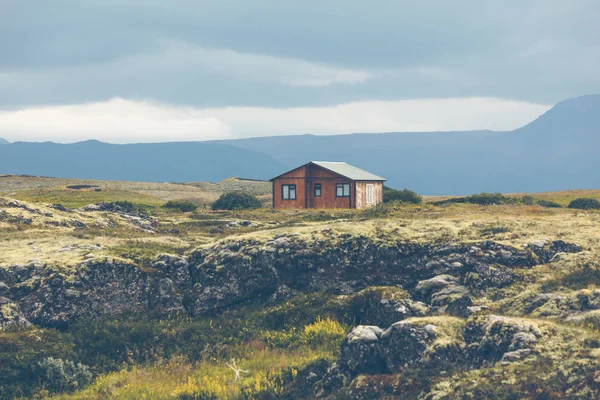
208 379
186 359
79 198
211 377
565 197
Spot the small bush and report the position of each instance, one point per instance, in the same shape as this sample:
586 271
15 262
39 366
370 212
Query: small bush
404 196
183 206
548 203
528 200
585 204
236 201
323 332
532 201
484 199
58 375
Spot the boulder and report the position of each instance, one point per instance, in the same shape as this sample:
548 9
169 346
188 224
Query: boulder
370 350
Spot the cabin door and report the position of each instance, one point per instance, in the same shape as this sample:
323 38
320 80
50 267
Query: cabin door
370 194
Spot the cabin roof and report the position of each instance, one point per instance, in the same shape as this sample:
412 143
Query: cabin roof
346 170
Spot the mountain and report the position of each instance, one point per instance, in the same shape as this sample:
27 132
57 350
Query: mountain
556 151
4 141
155 162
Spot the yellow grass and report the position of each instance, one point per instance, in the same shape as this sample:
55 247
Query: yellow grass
209 377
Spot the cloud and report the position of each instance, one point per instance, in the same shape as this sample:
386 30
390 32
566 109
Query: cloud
123 121
285 54
116 121
250 66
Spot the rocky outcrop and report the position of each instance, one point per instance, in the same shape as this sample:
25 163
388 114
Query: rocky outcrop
239 271
369 349
495 338
11 316
417 345
384 305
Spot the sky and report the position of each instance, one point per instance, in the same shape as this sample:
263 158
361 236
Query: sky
156 70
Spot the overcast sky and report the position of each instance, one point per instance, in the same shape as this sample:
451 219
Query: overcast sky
158 70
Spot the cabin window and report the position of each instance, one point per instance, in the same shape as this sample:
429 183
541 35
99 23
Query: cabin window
342 190
317 190
288 192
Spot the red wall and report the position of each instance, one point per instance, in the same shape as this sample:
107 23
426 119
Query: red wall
305 178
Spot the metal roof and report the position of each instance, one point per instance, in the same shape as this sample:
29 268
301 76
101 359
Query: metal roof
348 171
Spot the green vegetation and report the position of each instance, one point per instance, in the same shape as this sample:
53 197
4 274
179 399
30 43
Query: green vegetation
180 205
403 196
236 201
585 204
281 341
81 198
22 352
548 203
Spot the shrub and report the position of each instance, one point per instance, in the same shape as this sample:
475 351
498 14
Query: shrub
404 196
548 203
236 201
528 200
323 332
489 198
179 205
585 204
20 353
58 375
483 199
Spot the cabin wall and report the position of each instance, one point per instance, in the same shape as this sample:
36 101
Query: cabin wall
361 193
295 177
328 181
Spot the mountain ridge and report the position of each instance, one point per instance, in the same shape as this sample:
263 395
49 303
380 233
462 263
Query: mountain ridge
556 151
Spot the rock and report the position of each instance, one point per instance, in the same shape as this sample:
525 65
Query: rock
282 292
4 289
368 349
382 306
476 309
490 337
248 270
364 334
59 207
458 305
448 294
539 244
517 355
11 316
429 286
546 249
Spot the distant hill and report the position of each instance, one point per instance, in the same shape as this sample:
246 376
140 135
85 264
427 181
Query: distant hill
557 151
3 141
152 162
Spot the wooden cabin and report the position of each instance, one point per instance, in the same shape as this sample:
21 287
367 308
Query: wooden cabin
321 184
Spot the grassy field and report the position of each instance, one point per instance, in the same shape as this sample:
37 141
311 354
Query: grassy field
32 230
56 190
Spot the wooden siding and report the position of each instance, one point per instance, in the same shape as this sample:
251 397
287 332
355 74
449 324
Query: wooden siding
294 177
305 178
361 193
